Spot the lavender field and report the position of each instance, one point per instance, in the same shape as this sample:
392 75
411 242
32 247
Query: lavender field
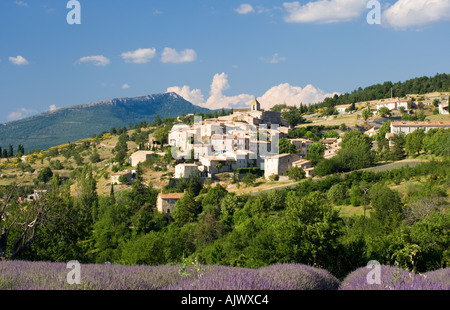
23 275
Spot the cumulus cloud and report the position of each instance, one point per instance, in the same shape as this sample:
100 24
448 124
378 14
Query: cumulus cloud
283 93
274 60
173 56
416 13
217 99
19 60
194 96
244 8
139 56
19 114
324 11
292 95
98 60
125 86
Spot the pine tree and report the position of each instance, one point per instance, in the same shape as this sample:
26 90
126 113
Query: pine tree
10 151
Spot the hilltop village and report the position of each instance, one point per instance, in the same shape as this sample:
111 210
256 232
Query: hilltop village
247 141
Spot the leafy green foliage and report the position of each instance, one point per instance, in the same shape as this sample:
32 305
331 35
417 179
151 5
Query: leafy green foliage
286 147
296 173
414 142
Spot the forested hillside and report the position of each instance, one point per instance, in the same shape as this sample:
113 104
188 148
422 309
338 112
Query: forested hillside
78 122
419 85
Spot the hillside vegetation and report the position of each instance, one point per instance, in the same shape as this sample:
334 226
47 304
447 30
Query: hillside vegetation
79 122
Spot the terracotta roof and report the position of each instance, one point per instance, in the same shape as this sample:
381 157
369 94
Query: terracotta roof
329 140
216 158
281 156
301 161
171 195
301 140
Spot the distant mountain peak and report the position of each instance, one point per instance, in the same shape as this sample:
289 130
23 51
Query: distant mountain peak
81 121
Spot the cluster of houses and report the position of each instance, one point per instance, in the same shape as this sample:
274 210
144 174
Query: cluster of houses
395 104
245 139
248 138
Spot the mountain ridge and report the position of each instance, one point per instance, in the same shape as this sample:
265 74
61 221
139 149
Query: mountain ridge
76 122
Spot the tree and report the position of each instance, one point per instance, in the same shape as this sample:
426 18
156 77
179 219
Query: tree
366 114
141 195
356 151
355 195
161 135
86 199
20 150
401 110
414 142
286 147
293 116
249 179
397 150
343 127
337 193
10 151
384 112
95 157
45 175
214 196
186 209
386 204
437 141
229 204
296 173
315 152
19 223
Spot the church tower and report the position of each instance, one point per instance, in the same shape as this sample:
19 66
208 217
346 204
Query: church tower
255 106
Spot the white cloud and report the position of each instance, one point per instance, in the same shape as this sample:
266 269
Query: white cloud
324 11
19 60
125 86
274 60
98 60
20 3
283 93
139 56
19 114
292 95
52 108
416 13
244 8
194 96
172 56
217 99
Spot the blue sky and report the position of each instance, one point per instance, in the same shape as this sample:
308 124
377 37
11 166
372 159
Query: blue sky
213 52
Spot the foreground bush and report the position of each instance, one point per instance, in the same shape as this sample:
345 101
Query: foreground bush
21 275
394 278
275 277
